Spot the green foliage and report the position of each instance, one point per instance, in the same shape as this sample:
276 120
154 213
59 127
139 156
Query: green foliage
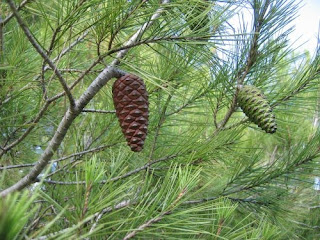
205 172
15 211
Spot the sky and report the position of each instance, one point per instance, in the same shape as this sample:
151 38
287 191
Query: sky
307 25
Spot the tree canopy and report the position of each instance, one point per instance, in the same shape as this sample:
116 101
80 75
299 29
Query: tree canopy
207 170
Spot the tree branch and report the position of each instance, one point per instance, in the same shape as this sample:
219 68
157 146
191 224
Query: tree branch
29 129
156 219
108 73
252 56
98 111
97 149
8 18
39 49
120 205
128 174
97 216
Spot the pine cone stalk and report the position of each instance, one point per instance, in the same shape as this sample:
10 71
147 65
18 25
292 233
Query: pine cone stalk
130 99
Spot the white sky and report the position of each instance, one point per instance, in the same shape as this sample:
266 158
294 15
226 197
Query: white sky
307 25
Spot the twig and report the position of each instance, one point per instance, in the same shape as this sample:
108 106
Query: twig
70 70
156 219
120 205
35 223
115 178
85 205
126 17
215 112
39 49
108 73
221 222
97 215
67 49
135 38
98 111
244 120
26 133
252 56
160 122
305 225
7 19
1 39
97 149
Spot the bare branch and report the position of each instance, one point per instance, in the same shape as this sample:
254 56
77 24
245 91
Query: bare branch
39 49
98 111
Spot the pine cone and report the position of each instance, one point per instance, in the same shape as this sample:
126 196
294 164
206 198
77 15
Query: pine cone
130 99
256 107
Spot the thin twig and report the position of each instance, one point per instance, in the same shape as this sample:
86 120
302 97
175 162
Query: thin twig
29 129
156 219
7 19
39 49
120 205
221 222
85 205
242 74
160 122
1 40
115 178
99 214
98 111
97 149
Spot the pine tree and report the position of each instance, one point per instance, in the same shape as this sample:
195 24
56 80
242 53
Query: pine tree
206 170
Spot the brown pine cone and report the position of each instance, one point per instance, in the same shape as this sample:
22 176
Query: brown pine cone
130 99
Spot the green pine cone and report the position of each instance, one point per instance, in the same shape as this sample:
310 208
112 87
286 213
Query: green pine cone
256 107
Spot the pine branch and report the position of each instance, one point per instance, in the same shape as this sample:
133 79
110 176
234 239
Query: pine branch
8 18
98 111
160 122
39 49
156 219
108 73
97 149
97 215
120 205
146 225
5 149
46 68
1 43
135 171
252 56
28 130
